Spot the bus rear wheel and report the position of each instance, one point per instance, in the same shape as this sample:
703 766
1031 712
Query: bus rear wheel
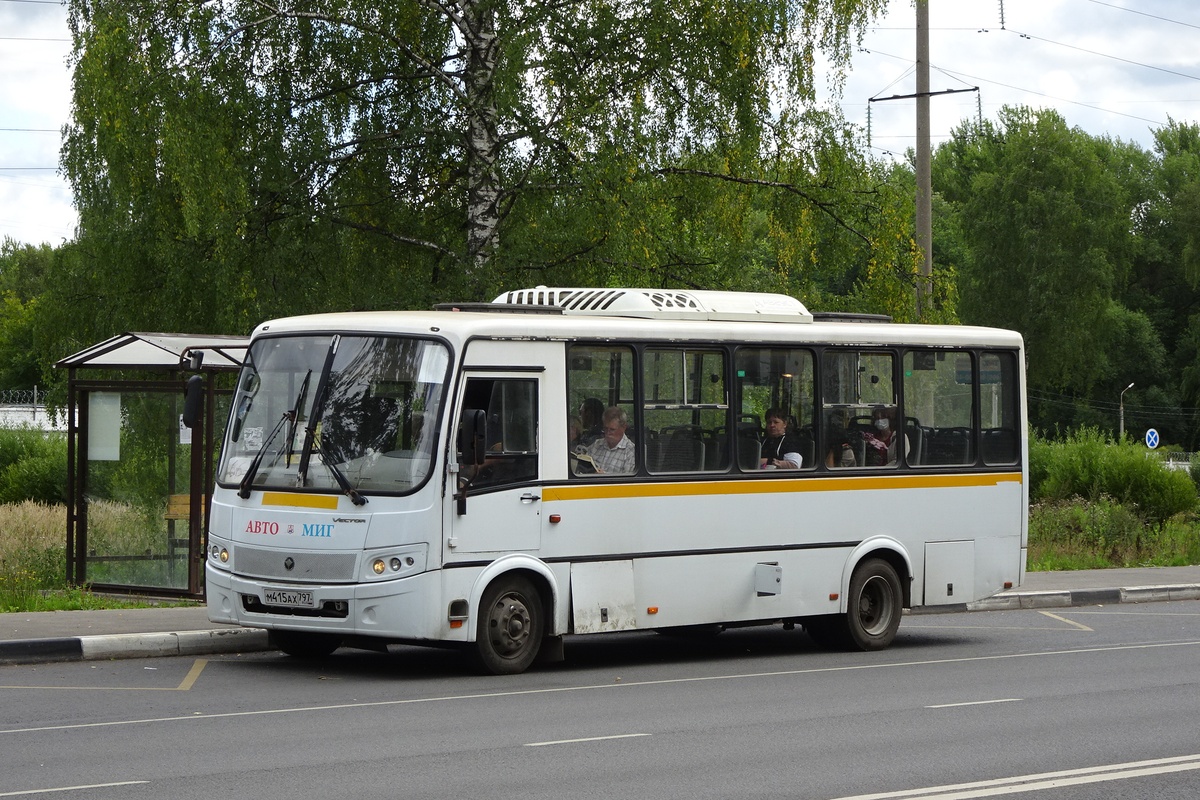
511 624
304 645
874 608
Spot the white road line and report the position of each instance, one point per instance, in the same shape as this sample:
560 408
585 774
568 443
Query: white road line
1042 780
71 788
977 703
1079 625
606 686
588 739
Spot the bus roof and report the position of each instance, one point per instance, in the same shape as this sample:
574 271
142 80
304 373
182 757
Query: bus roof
497 321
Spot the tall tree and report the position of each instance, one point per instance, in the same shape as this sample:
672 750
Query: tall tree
1047 225
252 136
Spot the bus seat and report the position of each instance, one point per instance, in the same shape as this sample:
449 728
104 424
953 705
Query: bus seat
949 446
808 447
999 446
682 453
749 452
916 440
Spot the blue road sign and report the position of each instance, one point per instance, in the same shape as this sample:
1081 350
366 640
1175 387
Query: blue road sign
1151 438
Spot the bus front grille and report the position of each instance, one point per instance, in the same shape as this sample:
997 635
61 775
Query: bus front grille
287 565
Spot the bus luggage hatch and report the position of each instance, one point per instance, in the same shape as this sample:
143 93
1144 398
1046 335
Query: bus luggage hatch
949 573
602 597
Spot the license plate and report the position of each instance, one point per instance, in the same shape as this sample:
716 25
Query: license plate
292 598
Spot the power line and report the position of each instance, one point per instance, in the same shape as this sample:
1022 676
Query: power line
1144 14
1106 55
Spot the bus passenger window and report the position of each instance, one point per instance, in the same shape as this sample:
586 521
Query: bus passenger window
600 403
939 399
775 409
998 442
860 409
685 410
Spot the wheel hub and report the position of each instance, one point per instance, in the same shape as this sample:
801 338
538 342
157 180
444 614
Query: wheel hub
509 624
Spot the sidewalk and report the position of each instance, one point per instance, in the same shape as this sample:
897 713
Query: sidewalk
47 636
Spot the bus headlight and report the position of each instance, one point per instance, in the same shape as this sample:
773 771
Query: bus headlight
395 564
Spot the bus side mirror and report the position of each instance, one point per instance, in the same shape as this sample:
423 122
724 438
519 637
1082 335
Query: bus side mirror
471 436
193 399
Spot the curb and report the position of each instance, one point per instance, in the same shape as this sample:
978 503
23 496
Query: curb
1086 597
133 645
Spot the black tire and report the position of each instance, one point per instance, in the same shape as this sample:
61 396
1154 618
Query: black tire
509 632
875 605
304 645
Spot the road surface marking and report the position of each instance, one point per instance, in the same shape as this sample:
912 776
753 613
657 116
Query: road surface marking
1079 625
977 703
189 680
71 788
1041 780
588 739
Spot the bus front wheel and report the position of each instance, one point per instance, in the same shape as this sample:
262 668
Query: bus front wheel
510 628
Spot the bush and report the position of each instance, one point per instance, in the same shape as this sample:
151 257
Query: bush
42 479
1083 534
1089 465
33 466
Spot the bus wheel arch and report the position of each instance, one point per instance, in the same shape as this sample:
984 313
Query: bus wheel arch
513 619
510 625
887 550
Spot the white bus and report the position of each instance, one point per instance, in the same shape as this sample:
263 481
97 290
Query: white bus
440 478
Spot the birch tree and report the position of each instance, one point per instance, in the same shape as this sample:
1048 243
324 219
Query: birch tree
229 130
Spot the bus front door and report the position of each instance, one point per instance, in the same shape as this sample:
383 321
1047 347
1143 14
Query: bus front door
496 505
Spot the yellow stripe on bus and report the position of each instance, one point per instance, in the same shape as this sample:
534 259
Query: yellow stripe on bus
760 486
289 500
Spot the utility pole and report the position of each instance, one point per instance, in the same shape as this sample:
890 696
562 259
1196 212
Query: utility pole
924 210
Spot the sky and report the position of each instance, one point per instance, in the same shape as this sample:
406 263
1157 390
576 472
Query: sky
1110 67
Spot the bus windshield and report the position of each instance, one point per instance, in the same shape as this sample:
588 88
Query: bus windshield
335 412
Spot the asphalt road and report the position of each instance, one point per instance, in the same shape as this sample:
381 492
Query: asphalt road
1060 704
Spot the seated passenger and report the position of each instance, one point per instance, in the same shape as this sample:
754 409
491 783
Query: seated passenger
781 449
841 451
591 414
881 441
613 453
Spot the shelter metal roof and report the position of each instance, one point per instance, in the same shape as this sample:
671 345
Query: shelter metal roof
161 352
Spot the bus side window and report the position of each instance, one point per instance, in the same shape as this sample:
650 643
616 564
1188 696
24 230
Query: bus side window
775 416
939 401
599 378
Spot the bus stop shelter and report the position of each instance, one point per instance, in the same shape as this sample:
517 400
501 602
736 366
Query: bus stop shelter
138 480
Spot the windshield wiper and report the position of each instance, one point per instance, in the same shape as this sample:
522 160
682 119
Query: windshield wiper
310 432
289 416
294 417
256 462
340 477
